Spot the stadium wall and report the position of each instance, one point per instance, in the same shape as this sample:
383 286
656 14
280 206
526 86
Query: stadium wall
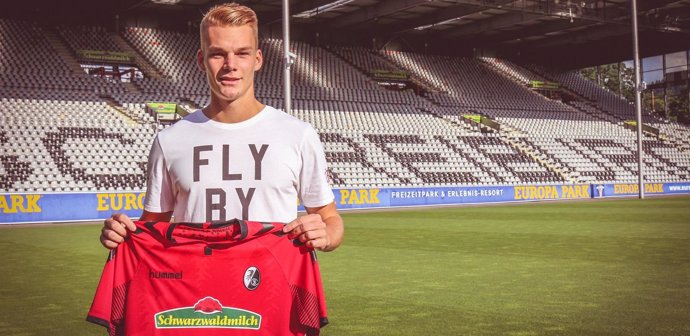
16 208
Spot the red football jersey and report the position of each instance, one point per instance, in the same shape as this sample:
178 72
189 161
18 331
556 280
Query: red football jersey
230 278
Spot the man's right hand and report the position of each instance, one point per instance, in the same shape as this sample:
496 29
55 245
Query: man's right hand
115 230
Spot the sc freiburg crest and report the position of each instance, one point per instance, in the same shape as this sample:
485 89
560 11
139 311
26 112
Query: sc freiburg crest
252 278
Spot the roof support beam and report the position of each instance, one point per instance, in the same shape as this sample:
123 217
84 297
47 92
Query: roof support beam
526 14
439 15
297 8
370 13
537 30
497 22
590 35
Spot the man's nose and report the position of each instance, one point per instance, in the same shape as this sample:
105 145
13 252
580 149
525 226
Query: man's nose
229 63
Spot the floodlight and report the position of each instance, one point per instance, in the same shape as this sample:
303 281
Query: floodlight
438 23
166 2
322 9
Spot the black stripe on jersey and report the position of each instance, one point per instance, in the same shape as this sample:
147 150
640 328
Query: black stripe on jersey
169 233
148 225
153 232
220 225
266 227
111 254
99 321
212 225
244 230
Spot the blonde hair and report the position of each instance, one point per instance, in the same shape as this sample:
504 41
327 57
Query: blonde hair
230 14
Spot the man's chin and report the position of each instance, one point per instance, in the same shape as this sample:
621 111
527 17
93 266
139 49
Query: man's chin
227 96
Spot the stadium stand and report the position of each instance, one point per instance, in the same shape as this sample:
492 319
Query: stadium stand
71 144
591 126
76 132
87 38
59 132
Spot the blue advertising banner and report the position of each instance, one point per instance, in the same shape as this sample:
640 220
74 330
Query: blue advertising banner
455 195
69 207
632 189
677 188
59 207
395 197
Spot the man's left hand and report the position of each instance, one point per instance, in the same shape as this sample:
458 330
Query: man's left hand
310 230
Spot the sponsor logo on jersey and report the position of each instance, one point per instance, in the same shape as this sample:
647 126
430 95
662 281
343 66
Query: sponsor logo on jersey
165 275
252 278
208 313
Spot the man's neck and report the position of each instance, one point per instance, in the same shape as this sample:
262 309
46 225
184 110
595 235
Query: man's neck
232 111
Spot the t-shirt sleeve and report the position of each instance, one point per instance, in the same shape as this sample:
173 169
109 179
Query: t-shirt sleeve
314 189
108 305
159 189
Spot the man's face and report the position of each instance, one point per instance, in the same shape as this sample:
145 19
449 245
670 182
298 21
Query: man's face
230 56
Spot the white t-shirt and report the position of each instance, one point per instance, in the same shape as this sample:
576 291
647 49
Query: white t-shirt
205 170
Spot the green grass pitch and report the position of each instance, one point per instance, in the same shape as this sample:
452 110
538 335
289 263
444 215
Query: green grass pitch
616 267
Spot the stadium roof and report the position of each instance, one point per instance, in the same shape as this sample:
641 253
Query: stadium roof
571 33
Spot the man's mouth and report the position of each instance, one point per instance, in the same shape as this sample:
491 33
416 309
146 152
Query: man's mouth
228 80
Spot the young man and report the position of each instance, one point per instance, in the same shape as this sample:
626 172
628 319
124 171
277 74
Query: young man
236 158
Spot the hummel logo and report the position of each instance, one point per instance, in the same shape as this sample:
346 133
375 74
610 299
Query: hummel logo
165 275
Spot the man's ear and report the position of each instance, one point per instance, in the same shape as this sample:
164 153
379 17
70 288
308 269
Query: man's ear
200 60
259 60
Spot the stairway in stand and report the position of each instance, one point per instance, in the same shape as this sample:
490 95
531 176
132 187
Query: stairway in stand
144 65
62 51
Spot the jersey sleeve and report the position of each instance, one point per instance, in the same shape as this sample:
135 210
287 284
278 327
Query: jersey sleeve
314 189
159 190
108 305
308 311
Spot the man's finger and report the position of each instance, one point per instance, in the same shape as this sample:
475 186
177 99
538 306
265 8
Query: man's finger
115 226
319 243
130 225
113 236
126 221
107 243
292 226
311 235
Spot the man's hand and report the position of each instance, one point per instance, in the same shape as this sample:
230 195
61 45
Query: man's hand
116 227
115 230
310 230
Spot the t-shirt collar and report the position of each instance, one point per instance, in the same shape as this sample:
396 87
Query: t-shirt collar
263 114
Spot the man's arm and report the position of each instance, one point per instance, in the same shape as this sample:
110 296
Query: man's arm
321 229
115 228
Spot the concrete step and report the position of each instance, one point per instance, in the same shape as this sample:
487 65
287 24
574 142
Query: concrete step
131 88
529 151
129 116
